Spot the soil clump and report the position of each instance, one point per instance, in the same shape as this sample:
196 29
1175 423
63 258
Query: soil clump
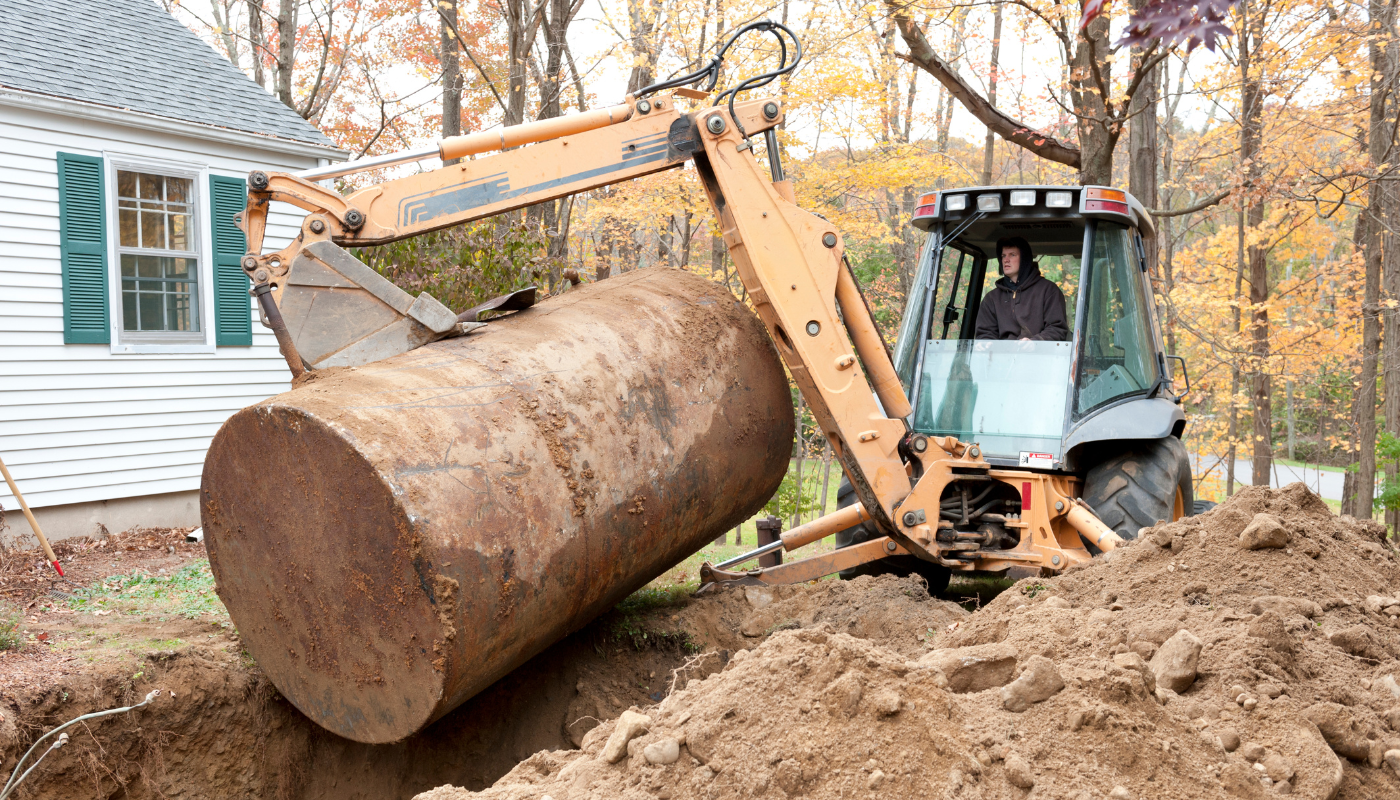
1249 652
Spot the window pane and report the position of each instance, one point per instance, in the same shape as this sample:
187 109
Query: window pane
126 183
129 322
127 224
180 268
910 337
179 315
152 316
978 392
148 267
153 230
177 190
179 232
1117 357
151 186
128 266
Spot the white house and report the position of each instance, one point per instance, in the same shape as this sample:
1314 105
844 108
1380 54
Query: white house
126 329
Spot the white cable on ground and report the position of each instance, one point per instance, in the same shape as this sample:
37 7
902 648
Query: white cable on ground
14 781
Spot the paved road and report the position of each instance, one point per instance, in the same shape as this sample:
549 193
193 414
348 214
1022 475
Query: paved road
1325 483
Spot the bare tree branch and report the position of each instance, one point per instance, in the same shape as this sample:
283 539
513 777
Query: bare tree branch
1191 209
921 55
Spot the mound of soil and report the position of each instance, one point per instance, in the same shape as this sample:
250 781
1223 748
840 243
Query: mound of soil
1249 652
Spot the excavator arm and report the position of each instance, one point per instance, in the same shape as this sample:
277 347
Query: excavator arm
327 308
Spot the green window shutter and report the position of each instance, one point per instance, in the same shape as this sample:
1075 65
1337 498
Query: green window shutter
233 319
82 236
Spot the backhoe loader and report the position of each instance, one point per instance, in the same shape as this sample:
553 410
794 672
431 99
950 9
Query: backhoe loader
961 455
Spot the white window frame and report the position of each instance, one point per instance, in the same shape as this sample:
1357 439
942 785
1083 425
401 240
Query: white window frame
149 342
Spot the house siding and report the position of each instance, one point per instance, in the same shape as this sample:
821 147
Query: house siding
78 423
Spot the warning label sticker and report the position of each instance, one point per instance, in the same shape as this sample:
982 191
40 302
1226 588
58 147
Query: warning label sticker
1044 460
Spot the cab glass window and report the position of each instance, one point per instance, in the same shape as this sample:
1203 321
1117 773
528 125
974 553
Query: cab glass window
1117 356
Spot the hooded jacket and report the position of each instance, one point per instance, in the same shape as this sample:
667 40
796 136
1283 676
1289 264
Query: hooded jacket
1030 308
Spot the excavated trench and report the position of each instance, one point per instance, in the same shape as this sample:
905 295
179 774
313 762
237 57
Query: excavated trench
226 731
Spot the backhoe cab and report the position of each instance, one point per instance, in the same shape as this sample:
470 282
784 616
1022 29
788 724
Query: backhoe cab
1097 408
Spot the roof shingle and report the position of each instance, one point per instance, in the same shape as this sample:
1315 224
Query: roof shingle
132 54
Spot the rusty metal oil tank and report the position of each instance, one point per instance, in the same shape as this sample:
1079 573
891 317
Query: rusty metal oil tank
393 538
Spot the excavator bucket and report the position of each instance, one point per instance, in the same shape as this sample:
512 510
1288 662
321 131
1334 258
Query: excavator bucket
341 313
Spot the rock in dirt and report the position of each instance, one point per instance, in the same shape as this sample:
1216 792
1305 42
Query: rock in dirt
886 702
975 668
1241 781
1277 768
1286 606
1392 760
1340 730
1018 772
1176 661
1134 662
629 726
758 596
1039 681
1388 681
1230 740
844 694
1270 627
1358 641
663 751
1264 531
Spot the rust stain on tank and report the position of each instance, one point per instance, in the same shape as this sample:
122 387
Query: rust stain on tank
394 538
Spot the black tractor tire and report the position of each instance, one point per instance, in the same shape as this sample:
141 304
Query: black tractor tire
1147 482
1202 506
935 575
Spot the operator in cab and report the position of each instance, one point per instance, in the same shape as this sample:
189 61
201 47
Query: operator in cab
1023 304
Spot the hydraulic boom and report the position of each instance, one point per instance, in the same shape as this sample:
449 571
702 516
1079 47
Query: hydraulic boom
328 309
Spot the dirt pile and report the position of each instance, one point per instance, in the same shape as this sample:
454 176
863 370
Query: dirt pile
1250 652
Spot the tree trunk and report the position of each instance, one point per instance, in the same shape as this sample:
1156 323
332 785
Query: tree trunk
989 147
286 51
1235 373
1142 142
1251 128
257 40
1379 330
1095 141
451 74
522 22
642 16
1364 405
1166 225
223 21
1385 60
554 20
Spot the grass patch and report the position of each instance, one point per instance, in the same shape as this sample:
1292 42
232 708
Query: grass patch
187 593
11 637
630 618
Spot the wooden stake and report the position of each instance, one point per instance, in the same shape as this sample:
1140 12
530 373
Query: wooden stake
33 523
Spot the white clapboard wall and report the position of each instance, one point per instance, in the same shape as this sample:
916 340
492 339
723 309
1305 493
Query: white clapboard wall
78 422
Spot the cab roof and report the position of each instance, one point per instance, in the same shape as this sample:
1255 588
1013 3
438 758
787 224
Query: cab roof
1051 231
